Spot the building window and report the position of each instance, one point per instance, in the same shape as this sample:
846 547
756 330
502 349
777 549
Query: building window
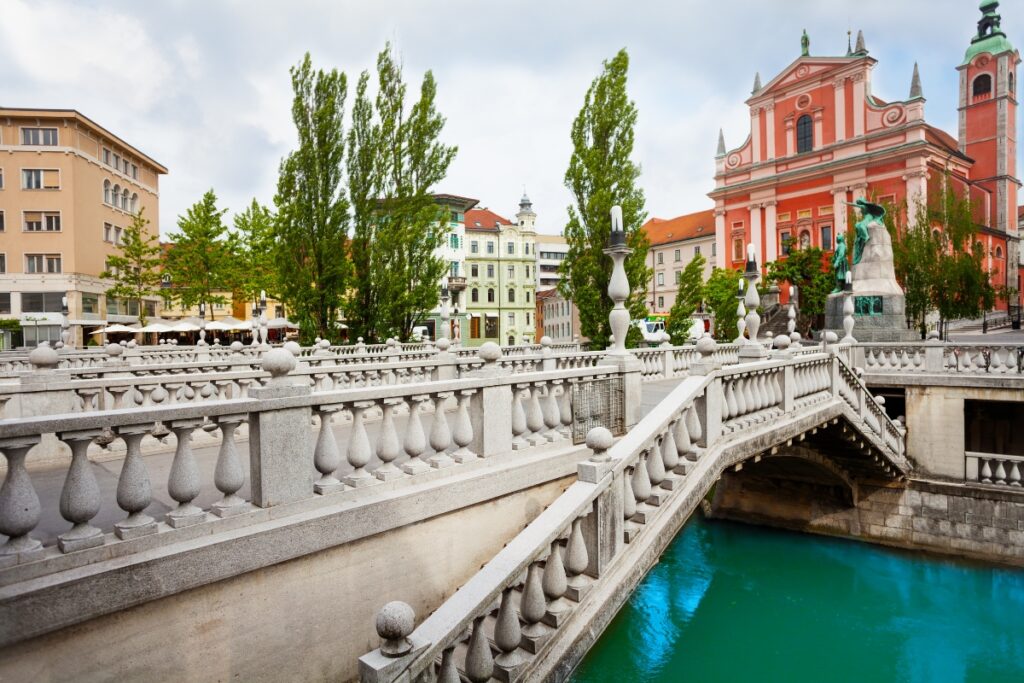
1 178
490 270
805 239
106 192
982 85
3 265
491 327
527 272
678 256
117 161
511 320
107 232
511 296
804 134
42 221
511 272
453 241
826 237
454 269
999 252
42 302
511 248
661 303
526 249
42 263
40 179
714 248
135 176
90 303
490 295
134 204
5 301
527 317
785 242
1011 83
106 156
474 295
679 276
696 250
2 225
490 247
474 247
737 249
39 136
661 258
125 201
117 235
474 270
661 279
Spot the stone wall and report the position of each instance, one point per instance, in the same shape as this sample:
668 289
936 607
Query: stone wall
977 522
308 619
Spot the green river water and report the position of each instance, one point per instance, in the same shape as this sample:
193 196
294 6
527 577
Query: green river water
732 602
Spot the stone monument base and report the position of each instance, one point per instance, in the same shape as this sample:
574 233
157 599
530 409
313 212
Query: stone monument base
878 317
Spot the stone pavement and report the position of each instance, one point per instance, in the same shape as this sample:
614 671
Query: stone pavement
49 482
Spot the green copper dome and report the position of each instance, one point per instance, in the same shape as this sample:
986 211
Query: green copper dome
990 37
994 44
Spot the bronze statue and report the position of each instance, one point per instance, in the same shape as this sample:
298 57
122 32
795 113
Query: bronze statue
870 213
840 263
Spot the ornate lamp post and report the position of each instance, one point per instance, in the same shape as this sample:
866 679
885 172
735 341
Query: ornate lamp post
457 328
848 310
445 315
202 324
255 324
752 274
741 312
791 325
264 331
618 285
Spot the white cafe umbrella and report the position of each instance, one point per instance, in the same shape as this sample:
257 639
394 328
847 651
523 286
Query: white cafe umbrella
227 325
153 327
282 323
184 327
115 328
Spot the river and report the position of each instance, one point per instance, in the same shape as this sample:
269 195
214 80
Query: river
733 602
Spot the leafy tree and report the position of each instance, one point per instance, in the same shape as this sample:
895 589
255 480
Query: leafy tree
408 225
689 295
601 174
720 296
254 230
915 252
311 229
202 261
135 270
811 272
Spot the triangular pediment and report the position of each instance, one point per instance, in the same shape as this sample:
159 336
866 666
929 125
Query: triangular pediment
803 69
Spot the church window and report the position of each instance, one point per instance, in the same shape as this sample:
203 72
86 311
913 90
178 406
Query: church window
826 237
982 85
1012 84
785 242
999 252
804 134
737 249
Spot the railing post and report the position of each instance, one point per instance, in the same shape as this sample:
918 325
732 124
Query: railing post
788 388
447 367
548 362
834 372
280 441
934 352
709 410
667 358
602 528
490 409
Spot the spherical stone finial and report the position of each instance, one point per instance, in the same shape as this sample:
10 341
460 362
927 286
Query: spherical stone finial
880 400
831 337
706 345
291 347
391 342
44 357
123 343
359 340
599 440
782 342
114 350
442 344
316 340
395 621
59 345
131 344
279 363
769 334
236 347
325 343
933 335
489 352
545 340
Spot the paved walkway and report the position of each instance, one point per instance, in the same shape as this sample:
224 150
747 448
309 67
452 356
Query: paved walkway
49 482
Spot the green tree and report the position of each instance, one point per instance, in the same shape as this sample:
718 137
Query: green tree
811 272
689 294
135 270
915 252
254 230
601 174
311 229
720 296
410 224
202 261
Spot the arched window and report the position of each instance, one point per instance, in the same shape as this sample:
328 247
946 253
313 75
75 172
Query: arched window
804 134
135 203
805 239
982 85
999 252
490 295
115 197
475 295
125 199
106 192
511 296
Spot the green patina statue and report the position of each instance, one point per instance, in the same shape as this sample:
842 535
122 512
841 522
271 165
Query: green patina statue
870 213
840 263
805 45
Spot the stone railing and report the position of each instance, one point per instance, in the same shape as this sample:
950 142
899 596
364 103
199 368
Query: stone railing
493 413
989 468
524 614
938 357
851 388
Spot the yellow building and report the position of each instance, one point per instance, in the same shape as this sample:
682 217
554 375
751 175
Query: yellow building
68 188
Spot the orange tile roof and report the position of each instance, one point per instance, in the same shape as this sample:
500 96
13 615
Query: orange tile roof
686 227
484 219
545 294
941 138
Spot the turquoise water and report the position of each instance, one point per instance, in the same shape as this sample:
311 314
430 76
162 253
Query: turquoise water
732 602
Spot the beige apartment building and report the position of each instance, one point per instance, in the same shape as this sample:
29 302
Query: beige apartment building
68 188
674 243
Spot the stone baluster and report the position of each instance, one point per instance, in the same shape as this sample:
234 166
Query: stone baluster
507 636
118 393
655 465
479 660
534 415
565 407
415 443
577 559
628 498
670 454
729 408
641 480
532 608
682 438
134 493
183 483
19 504
448 672
552 418
1000 473
440 432
359 451
518 420
228 476
555 585
462 435
326 456
80 497
388 446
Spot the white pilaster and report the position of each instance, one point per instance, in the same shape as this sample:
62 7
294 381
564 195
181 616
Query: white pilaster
839 211
858 105
769 113
720 238
771 233
755 231
755 134
839 88
916 192
789 136
819 129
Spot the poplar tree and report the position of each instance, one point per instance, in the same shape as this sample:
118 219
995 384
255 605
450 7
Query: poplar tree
689 294
135 270
254 230
202 261
601 174
311 228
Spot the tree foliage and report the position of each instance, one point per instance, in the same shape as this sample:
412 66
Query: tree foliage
312 211
202 262
689 294
720 296
601 174
135 270
811 272
254 230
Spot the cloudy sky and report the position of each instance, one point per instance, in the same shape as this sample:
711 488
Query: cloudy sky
202 85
